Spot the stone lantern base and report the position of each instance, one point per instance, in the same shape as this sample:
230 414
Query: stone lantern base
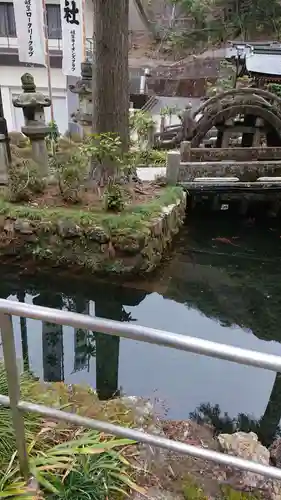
37 135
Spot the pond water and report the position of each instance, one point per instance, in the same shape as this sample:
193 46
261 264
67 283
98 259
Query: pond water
222 282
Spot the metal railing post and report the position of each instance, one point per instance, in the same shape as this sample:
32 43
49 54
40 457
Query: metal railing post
9 352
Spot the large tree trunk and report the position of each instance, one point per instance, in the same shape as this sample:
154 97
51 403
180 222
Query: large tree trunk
110 69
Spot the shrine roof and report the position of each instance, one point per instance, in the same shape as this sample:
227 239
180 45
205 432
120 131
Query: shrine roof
264 61
262 58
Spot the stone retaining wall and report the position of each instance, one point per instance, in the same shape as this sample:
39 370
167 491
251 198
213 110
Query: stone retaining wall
245 171
179 171
63 242
230 154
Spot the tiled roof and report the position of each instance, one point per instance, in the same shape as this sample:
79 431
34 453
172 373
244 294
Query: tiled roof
264 63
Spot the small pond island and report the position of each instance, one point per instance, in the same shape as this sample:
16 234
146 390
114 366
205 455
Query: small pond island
79 202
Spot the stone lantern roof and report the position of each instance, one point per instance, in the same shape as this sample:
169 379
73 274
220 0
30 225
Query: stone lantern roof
30 98
83 86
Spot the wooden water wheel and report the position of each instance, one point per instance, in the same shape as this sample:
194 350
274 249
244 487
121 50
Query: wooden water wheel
252 115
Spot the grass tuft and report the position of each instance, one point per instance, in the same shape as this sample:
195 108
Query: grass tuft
133 217
66 461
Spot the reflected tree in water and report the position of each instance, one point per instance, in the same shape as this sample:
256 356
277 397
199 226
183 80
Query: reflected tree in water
84 341
84 349
109 303
52 339
23 330
104 347
222 423
107 350
237 285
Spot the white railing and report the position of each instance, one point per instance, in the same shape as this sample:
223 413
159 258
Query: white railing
150 335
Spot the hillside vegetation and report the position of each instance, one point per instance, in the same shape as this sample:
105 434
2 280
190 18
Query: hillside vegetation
195 25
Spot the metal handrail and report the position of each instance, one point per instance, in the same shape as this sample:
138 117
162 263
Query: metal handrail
150 335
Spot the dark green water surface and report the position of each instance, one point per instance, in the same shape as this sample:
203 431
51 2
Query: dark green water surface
222 283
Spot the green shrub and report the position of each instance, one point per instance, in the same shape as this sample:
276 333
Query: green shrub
104 151
32 422
54 133
229 493
114 199
141 122
52 137
65 461
191 490
71 170
24 180
148 157
275 88
86 467
90 468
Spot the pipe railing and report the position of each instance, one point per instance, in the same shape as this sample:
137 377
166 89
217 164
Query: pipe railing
135 332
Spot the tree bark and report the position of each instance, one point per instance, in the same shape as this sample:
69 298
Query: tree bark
110 69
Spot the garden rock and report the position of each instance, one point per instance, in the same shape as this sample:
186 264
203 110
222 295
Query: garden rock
9 226
97 234
154 493
142 408
247 446
23 226
128 244
275 452
68 229
157 227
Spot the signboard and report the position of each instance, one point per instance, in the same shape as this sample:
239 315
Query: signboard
73 47
30 31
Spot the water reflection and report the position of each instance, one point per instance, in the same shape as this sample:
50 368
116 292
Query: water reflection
266 427
222 283
23 330
52 339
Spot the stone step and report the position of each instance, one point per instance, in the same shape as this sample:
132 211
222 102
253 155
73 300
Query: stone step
269 179
216 179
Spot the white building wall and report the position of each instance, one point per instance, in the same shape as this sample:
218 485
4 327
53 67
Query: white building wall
135 22
10 75
11 87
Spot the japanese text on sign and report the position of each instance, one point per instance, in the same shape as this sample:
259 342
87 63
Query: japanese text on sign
70 12
29 27
29 21
73 43
73 54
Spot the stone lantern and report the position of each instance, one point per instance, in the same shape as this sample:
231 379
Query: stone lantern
35 128
83 87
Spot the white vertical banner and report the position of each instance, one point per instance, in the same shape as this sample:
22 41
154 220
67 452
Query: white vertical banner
30 31
72 18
